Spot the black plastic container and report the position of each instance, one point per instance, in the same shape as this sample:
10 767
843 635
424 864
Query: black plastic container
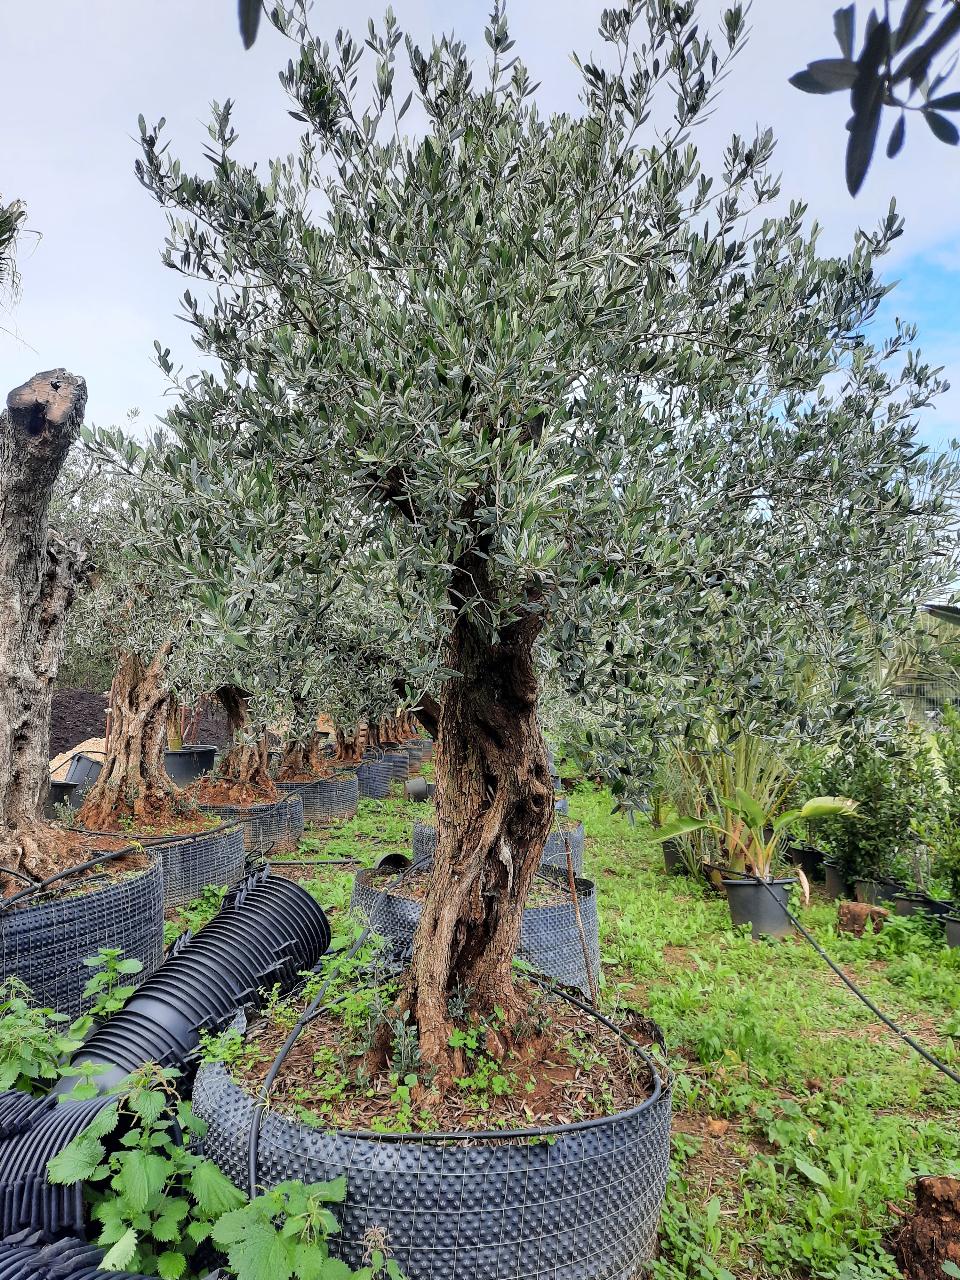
69 1259
186 764
673 859
836 885
569 1202
61 792
419 789
809 859
267 933
374 777
760 905
84 771
45 941
549 935
952 924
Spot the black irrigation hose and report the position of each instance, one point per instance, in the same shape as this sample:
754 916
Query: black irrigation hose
905 1036
109 856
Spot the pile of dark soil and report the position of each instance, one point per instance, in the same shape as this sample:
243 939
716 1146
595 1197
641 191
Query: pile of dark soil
80 714
931 1235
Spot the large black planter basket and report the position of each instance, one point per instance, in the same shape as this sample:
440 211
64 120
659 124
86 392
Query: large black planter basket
577 1202
550 940
191 862
399 762
292 834
327 800
554 851
263 826
374 778
46 943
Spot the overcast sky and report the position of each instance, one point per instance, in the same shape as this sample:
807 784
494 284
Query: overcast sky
76 76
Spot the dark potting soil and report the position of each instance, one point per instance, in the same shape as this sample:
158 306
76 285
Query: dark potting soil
930 1236
80 714
561 1066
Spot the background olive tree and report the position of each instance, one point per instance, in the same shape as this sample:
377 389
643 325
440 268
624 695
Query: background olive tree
582 396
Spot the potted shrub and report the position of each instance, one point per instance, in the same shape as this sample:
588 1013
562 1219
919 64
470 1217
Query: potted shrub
756 897
55 911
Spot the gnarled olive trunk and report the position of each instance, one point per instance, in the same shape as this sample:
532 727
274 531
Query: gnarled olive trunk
133 783
495 809
39 576
247 763
305 759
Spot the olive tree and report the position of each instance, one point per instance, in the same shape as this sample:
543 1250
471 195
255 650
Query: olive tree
581 395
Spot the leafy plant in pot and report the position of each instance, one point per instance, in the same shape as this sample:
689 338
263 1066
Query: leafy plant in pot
757 898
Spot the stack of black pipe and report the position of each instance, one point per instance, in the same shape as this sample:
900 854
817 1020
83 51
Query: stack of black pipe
32 1130
267 933
25 1257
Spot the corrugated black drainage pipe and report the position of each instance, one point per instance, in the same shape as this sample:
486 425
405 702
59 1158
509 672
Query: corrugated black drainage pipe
268 931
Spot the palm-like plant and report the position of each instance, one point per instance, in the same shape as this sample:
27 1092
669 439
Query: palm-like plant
755 832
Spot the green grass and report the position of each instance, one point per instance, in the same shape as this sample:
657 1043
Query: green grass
798 1119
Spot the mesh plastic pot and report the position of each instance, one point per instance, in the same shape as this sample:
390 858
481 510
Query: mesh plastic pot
549 937
192 862
554 851
31 1137
263 826
414 753
562 804
327 800
267 933
46 942
399 762
580 1201
374 778
186 764
760 905
293 832
70 1259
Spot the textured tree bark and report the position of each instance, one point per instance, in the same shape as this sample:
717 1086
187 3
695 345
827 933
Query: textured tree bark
133 783
495 810
39 577
247 763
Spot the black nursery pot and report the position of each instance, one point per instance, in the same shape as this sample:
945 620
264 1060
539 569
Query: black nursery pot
836 885
867 891
60 793
673 858
577 1201
762 906
809 859
953 930
186 764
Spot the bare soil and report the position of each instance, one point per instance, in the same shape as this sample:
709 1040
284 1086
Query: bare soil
61 849
562 1068
931 1234
80 714
242 795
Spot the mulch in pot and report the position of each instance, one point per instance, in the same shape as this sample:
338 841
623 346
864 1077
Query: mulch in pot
61 849
561 1066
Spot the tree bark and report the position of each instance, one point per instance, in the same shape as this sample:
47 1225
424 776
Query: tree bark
494 810
133 783
247 763
39 577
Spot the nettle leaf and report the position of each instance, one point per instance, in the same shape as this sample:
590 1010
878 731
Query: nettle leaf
143 1175
213 1190
79 1160
171 1265
120 1255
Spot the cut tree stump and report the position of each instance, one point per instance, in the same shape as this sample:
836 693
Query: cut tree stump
930 1236
852 917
